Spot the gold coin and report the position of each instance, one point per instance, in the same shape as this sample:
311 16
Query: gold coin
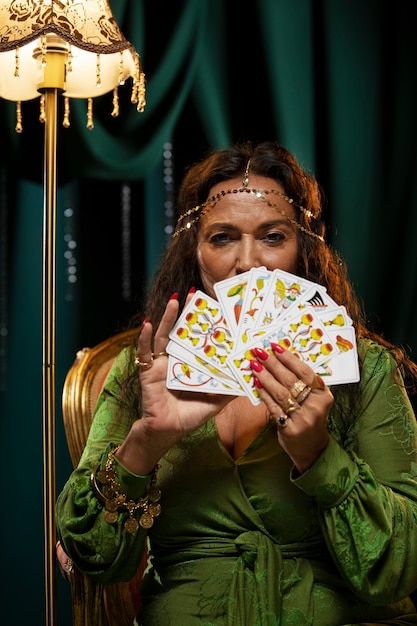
146 520
154 494
102 477
110 516
131 524
154 509
111 504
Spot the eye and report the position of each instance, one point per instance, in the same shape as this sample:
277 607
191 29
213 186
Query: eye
219 239
274 237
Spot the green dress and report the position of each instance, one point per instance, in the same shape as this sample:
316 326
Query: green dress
246 542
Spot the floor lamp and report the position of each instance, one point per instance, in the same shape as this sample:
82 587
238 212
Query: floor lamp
51 49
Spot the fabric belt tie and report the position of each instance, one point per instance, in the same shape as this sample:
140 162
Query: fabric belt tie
255 597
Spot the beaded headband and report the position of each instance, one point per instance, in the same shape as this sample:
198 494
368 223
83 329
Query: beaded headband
259 193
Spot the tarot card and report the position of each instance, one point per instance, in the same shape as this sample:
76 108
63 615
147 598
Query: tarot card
203 331
231 294
187 370
343 367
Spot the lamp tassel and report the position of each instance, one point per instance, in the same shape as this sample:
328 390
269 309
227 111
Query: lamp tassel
90 123
18 127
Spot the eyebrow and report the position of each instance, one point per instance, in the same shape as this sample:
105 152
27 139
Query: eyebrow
262 226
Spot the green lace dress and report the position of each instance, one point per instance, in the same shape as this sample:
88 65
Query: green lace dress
247 543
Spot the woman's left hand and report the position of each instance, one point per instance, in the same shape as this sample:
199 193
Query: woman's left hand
299 401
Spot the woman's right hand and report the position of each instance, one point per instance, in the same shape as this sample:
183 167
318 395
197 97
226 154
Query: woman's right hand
167 415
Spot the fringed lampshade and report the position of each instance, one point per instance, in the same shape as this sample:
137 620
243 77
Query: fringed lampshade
96 56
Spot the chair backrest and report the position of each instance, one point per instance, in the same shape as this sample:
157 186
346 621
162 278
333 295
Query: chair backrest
92 603
82 387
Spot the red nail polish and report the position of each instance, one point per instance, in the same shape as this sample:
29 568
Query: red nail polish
277 348
261 353
174 296
319 380
192 290
257 383
255 365
145 321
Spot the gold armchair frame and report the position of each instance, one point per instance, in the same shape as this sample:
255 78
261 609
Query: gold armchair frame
94 604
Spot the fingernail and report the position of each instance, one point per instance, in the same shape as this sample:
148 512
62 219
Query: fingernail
320 380
257 382
145 321
255 365
277 348
261 353
192 290
174 296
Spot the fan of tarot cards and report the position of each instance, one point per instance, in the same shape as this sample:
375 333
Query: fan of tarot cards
212 341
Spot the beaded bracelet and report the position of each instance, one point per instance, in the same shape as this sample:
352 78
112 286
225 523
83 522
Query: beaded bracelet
115 501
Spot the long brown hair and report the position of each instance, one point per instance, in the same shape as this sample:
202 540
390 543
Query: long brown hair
318 262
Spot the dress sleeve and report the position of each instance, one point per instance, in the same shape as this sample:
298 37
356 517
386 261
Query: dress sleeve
104 551
366 490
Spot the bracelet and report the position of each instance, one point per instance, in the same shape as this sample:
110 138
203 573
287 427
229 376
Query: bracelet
115 501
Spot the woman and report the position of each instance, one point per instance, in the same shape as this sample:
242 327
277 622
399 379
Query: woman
301 509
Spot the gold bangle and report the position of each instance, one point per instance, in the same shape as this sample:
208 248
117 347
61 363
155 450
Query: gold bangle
115 501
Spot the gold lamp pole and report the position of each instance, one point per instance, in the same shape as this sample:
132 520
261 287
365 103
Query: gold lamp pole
54 47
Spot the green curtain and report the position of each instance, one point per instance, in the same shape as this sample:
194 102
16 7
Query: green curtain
333 81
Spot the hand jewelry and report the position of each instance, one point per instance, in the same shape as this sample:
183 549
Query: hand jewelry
297 388
290 406
146 365
158 354
304 394
282 420
114 501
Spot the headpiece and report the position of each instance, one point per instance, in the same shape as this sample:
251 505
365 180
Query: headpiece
262 194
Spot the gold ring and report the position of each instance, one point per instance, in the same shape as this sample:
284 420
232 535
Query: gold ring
144 365
297 388
293 408
282 420
290 406
163 353
304 394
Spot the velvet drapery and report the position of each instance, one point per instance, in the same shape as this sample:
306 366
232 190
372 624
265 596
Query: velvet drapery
333 81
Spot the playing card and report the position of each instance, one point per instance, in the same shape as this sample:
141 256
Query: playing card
188 369
343 367
203 330
335 317
303 334
256 288
213 340
285 290
184 377
231 294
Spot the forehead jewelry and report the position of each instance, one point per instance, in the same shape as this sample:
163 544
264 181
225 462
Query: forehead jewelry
262 194
245 181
